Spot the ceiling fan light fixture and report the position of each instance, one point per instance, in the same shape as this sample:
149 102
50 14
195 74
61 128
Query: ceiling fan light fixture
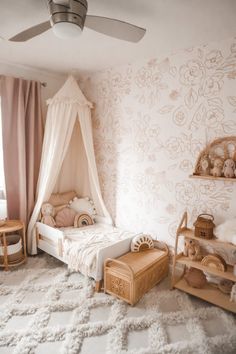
66 30
68 18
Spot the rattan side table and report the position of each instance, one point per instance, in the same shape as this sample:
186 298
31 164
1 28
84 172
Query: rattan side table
9 227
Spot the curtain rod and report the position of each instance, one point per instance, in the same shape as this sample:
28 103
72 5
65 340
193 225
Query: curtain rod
42 83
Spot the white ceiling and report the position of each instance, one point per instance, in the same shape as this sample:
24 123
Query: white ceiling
170 24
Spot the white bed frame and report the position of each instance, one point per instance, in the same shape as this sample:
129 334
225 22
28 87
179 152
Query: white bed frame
51 240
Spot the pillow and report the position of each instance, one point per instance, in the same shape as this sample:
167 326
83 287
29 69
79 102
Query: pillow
83 205
57 199
82 219
59 207
65 217
141 243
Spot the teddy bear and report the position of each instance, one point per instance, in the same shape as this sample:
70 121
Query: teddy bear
228 169
48 213
216 171
192 250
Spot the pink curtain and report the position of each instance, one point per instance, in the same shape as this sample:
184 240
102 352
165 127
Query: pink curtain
22 127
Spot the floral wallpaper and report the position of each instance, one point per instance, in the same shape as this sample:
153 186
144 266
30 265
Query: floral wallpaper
151 120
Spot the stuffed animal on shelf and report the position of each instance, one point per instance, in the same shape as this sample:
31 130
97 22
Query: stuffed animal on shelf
192 250
216 171
205 166
229 167
48 213
233 293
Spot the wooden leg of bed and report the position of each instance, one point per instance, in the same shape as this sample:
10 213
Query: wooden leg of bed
37 237
98 286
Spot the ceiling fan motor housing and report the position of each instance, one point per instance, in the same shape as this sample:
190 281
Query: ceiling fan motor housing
75 12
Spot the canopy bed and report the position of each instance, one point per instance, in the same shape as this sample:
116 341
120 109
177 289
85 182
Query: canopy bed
68 164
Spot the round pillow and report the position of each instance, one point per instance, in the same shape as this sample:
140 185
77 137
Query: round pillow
141 243
65 217
82 219
83 205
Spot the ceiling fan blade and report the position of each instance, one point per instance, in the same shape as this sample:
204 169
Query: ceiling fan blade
115 28
31 32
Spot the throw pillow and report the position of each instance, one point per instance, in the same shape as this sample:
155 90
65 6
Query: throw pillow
65 217
83 204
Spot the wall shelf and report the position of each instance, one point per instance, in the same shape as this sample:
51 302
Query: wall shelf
221 149
213 178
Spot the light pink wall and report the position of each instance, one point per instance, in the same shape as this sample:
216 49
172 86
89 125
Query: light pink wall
151 120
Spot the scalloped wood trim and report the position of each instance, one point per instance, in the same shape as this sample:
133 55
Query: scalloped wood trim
212 151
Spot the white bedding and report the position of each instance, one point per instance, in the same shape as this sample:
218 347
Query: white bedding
82 246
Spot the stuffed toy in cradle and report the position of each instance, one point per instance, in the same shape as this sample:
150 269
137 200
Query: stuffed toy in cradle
48 213
228 169
192 250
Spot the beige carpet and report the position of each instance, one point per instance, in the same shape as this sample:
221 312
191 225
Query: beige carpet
46 309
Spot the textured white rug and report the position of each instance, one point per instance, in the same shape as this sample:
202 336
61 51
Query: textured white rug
46 309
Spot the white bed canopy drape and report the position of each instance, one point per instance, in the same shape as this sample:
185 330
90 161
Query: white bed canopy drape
65 110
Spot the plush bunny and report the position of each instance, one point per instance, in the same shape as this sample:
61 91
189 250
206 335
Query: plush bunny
192 250
48 212
205 166
216 171
229 167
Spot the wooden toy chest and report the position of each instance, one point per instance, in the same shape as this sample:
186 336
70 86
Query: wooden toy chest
130 276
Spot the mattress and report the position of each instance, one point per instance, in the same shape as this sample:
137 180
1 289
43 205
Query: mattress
82 246
85 249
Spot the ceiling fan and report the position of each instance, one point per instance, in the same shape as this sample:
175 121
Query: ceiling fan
68 18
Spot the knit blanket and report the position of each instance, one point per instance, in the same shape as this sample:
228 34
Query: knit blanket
81 245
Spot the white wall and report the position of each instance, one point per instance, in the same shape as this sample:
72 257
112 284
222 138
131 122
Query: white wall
150 123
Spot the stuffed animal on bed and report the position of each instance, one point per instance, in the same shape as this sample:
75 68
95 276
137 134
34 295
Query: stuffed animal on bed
48 213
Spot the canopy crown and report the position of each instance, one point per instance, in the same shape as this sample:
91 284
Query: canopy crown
71 93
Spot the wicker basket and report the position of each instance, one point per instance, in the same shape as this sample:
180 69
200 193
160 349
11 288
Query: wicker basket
14 249
204 226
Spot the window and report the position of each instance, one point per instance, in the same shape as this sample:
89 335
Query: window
3 213
2 182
